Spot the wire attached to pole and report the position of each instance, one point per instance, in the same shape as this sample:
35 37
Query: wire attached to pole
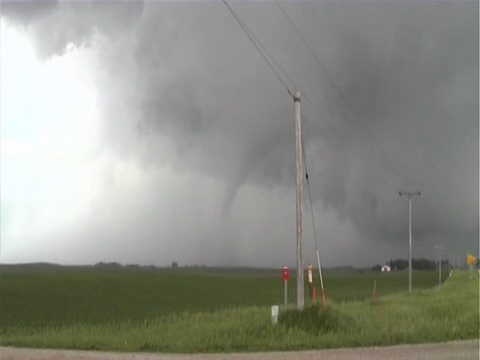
314 228
377 150
259 47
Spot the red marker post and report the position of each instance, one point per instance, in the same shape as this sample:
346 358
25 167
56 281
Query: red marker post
285 277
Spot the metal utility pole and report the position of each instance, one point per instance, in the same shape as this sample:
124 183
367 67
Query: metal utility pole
299 197
409 196
439 248
451 261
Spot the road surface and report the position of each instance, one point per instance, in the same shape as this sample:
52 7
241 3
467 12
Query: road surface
468 349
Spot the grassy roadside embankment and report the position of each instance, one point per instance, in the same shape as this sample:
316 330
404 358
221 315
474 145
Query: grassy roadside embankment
446 312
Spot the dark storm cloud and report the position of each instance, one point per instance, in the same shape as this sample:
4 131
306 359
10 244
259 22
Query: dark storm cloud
181 86
53 25
400 68
192 89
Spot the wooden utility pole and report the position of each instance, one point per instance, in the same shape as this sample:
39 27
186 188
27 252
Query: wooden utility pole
299 197
409 195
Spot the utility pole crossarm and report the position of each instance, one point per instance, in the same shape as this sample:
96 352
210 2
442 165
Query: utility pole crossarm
409 194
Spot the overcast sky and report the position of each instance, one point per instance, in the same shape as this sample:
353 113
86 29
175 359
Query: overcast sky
155 132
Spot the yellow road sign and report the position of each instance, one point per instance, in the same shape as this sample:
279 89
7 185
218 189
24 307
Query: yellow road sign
470 259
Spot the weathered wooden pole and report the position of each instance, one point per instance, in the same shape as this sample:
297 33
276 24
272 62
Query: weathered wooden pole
299 197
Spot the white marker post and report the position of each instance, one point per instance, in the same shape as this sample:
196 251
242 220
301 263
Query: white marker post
274 314
313 292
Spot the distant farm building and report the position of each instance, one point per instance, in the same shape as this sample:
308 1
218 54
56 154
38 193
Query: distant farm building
386 268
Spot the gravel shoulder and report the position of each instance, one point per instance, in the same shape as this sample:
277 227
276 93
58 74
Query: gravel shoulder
466 349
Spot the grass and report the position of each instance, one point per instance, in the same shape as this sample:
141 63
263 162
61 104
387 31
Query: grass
183 311
448 312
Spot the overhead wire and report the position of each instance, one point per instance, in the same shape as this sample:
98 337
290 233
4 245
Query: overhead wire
317 59
271 61
258 46
337 88
353 114
313 224
338 138
377 150
265 53
276 68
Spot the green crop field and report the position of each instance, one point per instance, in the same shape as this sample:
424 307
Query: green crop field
208 310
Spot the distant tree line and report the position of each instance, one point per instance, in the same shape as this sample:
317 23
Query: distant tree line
110 265
116 265
418 264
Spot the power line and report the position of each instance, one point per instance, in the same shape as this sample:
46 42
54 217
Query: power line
271 61
319 63
309 195
277 69
324 69
258 46
339 91
317 59
313 224
265 55
338 138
